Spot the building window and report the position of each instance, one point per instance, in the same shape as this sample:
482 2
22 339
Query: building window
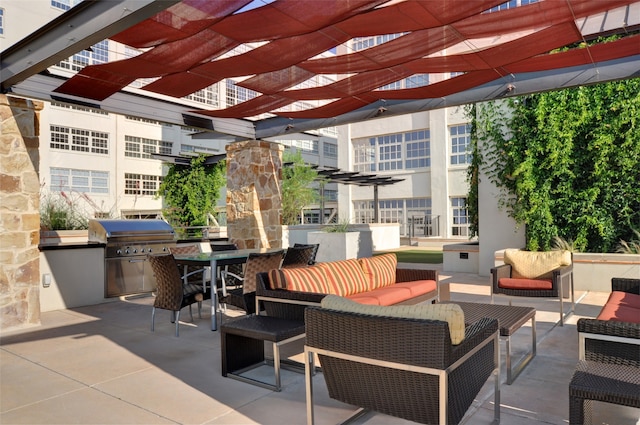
460 144
362 43
64 4
413 146
420 222
79 140
511 4
391 211
99 54
460 216
330 195
78 108
418 149
139 147
237 94
1 21
207 96
389 152
141 184
363 211
330 150
364 155
417 80
85 181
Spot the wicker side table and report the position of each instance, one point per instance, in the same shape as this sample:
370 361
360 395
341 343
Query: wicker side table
611 383
510 319
242 343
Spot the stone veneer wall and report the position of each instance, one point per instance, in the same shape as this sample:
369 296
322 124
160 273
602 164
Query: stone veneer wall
19 212
254 198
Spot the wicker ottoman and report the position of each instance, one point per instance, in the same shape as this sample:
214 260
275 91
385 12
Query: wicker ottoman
611 383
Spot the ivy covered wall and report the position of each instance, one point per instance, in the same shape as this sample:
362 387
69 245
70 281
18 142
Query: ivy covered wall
567 163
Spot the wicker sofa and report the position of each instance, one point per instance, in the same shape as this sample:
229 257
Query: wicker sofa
404 367
377 280
614 335
609 366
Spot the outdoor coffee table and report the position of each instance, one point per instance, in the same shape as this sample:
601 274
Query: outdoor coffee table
510 319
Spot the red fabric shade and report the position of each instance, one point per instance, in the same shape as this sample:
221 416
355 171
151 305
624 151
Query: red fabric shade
188 42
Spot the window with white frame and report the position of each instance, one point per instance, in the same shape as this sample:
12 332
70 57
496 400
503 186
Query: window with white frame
310 146
460 217
1 21
64 4
391 211
398 151
140 147
330 150
419 219
141 184
237 94
99 54
363 211
510 5
79 140
460 138
364 155
207 96
78 108
85 181
389 152
418 149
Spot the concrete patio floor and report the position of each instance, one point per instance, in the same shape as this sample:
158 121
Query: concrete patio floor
102 365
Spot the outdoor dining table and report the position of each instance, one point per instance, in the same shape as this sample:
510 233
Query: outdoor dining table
214 260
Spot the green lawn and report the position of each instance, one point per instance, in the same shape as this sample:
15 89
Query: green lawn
418 256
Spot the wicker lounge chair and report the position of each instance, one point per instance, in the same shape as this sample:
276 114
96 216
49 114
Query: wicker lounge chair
406 368
521 280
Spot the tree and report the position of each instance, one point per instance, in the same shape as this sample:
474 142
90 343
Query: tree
190 192
297 192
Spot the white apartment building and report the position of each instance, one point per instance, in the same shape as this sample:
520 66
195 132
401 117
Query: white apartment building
104 159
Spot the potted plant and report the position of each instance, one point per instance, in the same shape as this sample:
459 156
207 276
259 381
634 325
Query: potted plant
340 241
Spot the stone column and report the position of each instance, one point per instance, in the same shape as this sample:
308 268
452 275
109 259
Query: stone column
254 198
19 212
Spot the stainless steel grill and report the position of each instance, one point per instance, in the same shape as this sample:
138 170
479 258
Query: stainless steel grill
127 244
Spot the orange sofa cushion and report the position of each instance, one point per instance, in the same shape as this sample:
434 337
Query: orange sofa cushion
303 279
380 270
345 277
621 307
511 283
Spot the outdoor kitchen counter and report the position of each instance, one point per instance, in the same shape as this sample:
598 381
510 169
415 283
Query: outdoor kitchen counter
69 245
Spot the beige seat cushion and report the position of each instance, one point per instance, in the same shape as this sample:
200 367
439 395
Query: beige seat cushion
534 264
450 313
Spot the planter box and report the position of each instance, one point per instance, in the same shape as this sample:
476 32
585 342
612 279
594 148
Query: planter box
341 246
461 257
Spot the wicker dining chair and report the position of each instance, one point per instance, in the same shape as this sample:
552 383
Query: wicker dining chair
299 256
173 292
315 246
240 291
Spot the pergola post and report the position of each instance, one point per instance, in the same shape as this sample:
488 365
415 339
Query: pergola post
19 212
254 197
